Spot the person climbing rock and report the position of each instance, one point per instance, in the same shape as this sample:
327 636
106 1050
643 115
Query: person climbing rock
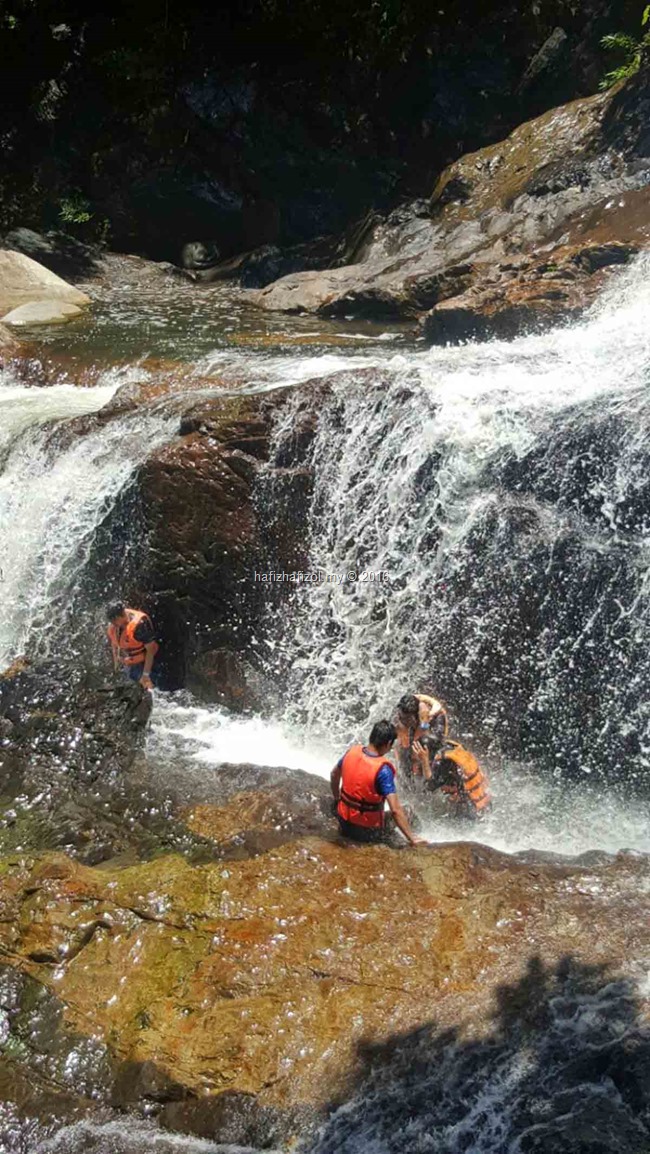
363 783
133 643
421 723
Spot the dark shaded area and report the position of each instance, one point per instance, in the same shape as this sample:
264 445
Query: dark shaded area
564 1069
69 740
241 124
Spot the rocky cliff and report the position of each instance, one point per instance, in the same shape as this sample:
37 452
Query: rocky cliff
514 237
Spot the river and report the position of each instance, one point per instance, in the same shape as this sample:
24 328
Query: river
500 489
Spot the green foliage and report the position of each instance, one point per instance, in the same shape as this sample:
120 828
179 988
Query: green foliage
75 209
630 50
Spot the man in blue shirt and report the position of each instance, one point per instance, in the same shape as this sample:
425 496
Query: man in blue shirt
363 784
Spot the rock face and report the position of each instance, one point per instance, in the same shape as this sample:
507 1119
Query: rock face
67 742
516 235
210 529
243 1004
23 281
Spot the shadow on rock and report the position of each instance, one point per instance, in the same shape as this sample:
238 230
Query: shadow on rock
563 1070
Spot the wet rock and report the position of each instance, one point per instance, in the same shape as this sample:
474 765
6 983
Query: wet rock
218 510
528 196
24 281
278 809
197 255
225 676
70 743
529 296
241 1000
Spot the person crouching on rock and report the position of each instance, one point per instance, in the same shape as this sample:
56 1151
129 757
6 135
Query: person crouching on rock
363 783
133 643
427 752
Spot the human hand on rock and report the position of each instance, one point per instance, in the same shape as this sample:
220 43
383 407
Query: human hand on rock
146 682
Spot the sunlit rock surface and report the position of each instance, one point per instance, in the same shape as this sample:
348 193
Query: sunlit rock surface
246 998
24 281
498 224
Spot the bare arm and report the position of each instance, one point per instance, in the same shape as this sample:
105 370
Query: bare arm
401 820
150 651
335 781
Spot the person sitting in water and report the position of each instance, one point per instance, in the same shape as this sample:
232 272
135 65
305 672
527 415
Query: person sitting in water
422 725
133 643
363 783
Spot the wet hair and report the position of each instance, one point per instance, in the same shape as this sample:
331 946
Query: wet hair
408 707
114 611
383 733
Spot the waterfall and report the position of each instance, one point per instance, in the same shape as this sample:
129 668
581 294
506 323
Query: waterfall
499 493
54 493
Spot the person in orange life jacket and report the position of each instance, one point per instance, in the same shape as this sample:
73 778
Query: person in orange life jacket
427 751
363 782
458 775
421 724
133 643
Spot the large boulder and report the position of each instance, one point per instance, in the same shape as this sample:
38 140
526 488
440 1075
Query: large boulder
23 281
210 530
45 312
517 203
244 1002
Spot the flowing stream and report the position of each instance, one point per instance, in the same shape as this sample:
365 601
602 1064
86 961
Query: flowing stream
486 510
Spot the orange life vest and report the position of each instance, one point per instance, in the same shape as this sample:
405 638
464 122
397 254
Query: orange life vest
130 650
359 801
473 785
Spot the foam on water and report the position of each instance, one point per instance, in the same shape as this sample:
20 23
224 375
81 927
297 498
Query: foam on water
212 736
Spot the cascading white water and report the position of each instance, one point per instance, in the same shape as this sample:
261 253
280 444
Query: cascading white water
52 499
412 480
408 466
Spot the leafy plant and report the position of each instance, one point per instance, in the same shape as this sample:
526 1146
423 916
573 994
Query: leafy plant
75 209
631 51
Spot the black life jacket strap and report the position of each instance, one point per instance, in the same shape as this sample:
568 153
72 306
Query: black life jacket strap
362 806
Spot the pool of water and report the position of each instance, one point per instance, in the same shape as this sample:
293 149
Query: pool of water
142 311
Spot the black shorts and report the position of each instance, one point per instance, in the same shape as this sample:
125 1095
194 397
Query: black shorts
362 833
